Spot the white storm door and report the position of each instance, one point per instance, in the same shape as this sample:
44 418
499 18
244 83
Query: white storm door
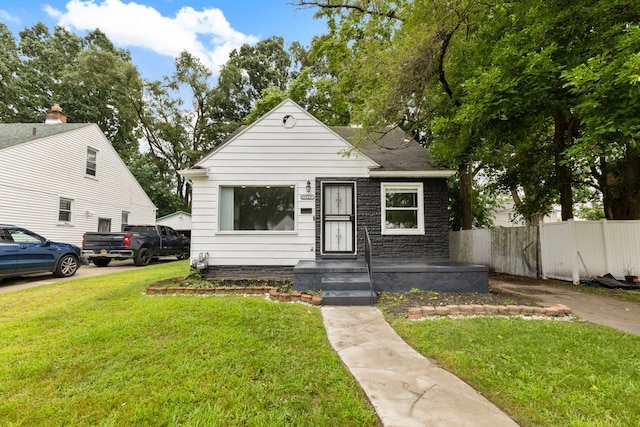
338 218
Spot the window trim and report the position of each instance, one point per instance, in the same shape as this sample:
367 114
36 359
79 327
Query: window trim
59 210
293 186
124 223
417 187
95 163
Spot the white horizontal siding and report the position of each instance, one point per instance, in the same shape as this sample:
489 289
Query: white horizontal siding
35 174
266 153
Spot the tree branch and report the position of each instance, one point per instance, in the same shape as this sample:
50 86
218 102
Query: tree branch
391 14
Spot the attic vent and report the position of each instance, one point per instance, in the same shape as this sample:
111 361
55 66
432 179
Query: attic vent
288 121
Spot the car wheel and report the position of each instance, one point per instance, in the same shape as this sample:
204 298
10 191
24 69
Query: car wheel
67 266
101 262
143 257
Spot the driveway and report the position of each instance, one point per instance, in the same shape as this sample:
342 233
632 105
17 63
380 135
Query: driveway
610 311
25 282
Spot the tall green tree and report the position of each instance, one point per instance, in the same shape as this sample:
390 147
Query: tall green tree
607 87
489 85
9 65
44 58
103 86
92 80
176 121
312 84
248 72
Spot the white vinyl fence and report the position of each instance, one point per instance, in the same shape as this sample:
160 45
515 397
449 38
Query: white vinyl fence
569 250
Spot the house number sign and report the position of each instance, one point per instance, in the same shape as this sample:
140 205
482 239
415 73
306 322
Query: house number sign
307 197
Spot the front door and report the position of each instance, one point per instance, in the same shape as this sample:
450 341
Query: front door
338 218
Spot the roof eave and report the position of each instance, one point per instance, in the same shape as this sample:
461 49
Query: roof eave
194 173
440 173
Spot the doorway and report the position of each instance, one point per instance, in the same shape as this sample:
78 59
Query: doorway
338 218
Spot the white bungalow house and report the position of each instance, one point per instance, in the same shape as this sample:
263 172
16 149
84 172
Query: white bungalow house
288 194
63 179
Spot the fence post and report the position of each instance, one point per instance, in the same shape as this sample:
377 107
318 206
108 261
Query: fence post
575 269
543 266
607 244
539 272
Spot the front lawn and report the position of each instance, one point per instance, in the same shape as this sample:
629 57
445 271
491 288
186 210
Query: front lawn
97 351
541 372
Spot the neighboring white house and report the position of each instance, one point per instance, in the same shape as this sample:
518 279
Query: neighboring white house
289 188
63 179
179 221
506 216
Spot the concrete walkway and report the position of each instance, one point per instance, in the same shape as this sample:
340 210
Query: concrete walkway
405 388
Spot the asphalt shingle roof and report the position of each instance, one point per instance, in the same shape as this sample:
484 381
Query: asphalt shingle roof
393 150
17 133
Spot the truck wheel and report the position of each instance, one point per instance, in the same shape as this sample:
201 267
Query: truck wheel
67 266
184 254
143 257
101 262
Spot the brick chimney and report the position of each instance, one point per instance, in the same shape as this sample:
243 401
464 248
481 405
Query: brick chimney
55 115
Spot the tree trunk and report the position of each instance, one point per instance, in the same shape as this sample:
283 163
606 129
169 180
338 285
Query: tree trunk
620 185
562 138
465 178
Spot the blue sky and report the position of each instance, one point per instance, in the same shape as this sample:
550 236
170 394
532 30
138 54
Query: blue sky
156 31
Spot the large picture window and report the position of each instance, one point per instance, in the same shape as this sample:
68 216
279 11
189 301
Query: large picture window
402 208
267 208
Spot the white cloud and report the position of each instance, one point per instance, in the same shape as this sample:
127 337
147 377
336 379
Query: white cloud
7 17
205 34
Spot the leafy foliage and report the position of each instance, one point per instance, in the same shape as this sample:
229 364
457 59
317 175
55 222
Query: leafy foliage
541 95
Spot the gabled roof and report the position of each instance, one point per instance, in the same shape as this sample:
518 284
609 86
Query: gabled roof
173 214
17 133
393 152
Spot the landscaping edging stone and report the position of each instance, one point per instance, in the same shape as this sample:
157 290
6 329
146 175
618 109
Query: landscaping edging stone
271 291
557 310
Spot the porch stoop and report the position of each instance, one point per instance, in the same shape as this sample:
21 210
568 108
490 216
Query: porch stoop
354 289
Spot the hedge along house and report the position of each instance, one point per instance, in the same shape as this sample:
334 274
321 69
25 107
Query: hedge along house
289 196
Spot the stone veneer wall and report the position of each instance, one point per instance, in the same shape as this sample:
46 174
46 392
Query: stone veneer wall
249 272
433 244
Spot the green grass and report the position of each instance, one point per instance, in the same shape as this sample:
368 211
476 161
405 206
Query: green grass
625 294
98 352
541 372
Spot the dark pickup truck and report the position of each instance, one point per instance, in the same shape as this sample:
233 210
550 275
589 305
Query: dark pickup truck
140 242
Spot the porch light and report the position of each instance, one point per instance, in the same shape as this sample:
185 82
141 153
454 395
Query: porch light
308 186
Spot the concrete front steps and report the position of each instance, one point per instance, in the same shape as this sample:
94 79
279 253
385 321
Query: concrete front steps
353 289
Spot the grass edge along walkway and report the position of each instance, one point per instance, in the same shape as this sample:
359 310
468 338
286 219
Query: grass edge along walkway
97 351
541 372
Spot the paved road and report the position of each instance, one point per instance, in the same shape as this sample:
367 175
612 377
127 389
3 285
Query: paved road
614 312
18 283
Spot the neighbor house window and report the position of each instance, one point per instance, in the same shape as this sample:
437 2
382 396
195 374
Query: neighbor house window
64 209
402 208
92 156
124 220
249 208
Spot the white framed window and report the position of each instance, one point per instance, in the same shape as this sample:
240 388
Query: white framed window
402 208
268 208
124 221
92 161
65 206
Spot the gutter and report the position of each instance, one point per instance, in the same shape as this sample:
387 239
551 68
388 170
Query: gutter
443 173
